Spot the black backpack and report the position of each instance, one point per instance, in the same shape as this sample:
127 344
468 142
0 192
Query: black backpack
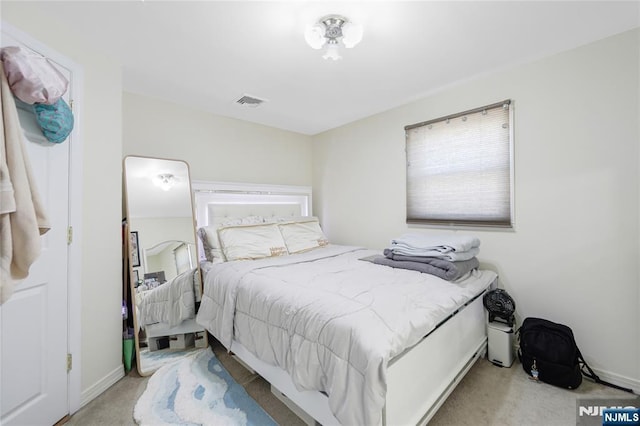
549 353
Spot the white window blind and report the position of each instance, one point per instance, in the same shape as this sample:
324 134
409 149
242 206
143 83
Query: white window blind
459 168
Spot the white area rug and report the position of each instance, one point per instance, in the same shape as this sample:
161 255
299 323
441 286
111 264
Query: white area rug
197 390
151 361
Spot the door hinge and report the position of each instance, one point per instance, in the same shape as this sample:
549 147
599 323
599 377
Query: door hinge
69 362
71 104
69 235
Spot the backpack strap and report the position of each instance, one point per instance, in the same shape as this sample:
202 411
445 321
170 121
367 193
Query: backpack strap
588 372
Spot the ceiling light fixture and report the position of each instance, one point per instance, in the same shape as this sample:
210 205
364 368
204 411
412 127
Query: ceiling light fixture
330 32
165 181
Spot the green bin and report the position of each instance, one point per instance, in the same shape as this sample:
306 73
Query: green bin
127 352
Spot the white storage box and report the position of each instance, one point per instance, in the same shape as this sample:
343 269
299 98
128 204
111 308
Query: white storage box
182 341
157 343
200 339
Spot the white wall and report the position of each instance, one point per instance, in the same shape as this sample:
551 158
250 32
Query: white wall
101 136
216 148
573 256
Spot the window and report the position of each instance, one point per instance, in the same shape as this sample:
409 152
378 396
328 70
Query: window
460 168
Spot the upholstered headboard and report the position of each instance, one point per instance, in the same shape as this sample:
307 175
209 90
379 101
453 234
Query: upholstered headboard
217 201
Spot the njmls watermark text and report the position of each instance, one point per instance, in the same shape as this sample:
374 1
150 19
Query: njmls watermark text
608 411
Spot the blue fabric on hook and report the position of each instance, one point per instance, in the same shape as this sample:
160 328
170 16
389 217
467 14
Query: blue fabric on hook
56 121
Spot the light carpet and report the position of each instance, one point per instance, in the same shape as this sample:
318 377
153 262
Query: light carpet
197 390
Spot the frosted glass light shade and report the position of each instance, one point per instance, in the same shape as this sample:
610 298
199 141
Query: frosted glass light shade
332 52
332 32
351 34
165 181
315 36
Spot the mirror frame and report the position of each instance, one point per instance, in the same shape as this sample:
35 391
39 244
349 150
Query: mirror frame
131 287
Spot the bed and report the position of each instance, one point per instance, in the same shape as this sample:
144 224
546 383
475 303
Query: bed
348 341
169 308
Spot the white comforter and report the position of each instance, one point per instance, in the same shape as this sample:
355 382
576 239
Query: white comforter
169 303
330 320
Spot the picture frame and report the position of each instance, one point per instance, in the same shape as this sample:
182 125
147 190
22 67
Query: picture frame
135 278
135 249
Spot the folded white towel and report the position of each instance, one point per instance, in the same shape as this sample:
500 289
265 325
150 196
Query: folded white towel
438 243
455 247
453 256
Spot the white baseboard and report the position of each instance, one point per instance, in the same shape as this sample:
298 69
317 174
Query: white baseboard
619 380
101 385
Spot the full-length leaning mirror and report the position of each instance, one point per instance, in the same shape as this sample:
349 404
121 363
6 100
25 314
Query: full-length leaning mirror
165 281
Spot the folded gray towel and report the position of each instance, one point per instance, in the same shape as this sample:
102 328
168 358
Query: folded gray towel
432 260
444 269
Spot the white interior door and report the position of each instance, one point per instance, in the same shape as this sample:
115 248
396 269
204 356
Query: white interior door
34 322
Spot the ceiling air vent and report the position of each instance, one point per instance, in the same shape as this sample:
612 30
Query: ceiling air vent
250 101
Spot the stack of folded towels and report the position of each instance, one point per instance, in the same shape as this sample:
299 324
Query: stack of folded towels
446 256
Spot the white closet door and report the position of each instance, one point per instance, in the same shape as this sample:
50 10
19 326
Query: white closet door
34 322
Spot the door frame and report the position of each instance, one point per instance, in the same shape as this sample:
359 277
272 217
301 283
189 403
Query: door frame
74 250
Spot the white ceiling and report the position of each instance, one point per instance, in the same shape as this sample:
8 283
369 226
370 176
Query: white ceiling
207 54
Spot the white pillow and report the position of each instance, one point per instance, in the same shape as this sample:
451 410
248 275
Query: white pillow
251 242
303 235
209 236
